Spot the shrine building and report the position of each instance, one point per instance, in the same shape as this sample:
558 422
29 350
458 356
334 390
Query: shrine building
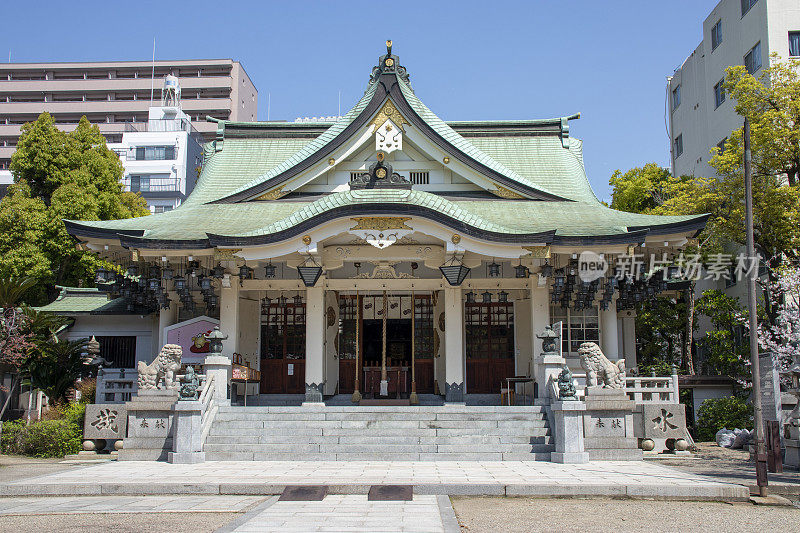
391 254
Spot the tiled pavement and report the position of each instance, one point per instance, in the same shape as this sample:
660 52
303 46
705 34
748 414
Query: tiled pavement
126 504
600 478
349 513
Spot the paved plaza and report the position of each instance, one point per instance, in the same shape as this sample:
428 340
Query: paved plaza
497 478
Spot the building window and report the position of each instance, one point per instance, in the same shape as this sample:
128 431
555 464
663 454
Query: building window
283 331
162 208
716 35
752 60
721 146
419 178
578 327
746 5
678 145
719 93
155 153
794 43
140 183
676 97
120 350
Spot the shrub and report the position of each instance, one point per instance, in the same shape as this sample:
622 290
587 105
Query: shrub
58 433
730 412
87 387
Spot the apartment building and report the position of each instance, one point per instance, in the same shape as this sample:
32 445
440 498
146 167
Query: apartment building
736 32
117 95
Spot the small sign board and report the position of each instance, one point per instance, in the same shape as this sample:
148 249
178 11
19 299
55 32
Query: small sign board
770 387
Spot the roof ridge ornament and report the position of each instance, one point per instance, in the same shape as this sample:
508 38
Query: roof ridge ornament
380 176
390 64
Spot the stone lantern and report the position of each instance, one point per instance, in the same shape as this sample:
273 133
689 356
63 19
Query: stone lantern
549 340
215 339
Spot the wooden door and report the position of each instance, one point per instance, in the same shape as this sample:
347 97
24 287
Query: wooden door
489 345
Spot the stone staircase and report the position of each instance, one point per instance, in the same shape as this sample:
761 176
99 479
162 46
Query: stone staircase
380 433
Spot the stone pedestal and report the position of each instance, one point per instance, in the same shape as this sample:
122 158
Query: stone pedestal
608 426
660 423
150 422
187 443
568 432
219 366
548 365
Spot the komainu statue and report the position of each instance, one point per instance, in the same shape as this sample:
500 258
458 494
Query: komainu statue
599 370
162 369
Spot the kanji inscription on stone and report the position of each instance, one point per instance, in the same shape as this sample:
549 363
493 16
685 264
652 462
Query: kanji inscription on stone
105 421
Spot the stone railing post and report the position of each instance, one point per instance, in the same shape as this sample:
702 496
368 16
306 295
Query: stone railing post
187 441
219 366
568 416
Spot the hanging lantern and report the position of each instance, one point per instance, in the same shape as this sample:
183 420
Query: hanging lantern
502 297
487 297
282 301
471 297
213 301
454 273
205 283
133 270
308 273
219 271
245 272
494 269
179 283
168 273
269 270
521 271
163 300
101 275
547 271
154 284
142 282
298 300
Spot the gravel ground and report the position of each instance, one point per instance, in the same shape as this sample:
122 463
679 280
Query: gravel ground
119 523
733 466
496 514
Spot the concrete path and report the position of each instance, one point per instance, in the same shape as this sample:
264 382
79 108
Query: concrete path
500 478
126 504
349 513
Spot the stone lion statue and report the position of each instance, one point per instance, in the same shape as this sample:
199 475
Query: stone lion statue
162 369
599 370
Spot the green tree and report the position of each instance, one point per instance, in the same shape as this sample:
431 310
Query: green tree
59 176
727 345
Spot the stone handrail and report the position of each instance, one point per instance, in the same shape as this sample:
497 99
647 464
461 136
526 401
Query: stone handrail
552 388
210 408
652 389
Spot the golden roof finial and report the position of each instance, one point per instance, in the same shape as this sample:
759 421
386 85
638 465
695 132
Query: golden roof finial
388 47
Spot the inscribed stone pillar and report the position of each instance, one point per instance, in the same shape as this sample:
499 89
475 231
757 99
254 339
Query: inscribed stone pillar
229 317
608 332
454 344
315 343
629 338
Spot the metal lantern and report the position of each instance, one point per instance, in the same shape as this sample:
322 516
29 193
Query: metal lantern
547 271
219 272
163 300
298 300
269 270
471 297
245 272
133 270
215 339
309 273
494 269
282 301
154 284
101 275
521 271
213 301
502 297
205 283
179 283
168 273
487 297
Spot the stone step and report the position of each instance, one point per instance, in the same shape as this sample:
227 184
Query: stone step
485 410
482 456
359 417
473 440
478 426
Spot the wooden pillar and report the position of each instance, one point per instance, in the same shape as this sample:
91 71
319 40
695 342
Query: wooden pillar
413 399
229 317
315 344
384 376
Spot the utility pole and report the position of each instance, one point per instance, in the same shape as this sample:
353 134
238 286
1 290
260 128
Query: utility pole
761 452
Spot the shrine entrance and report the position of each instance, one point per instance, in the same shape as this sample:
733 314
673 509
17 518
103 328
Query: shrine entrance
409 345
283 346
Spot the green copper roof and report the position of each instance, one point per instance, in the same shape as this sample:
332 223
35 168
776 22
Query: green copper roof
85 301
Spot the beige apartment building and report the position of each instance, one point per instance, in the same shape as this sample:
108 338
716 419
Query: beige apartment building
116 95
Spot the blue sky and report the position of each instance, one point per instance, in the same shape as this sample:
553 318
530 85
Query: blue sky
468 60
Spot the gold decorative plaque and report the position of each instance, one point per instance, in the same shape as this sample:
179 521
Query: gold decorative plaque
389 112
539 252
380 223
274 194
226 254
502 192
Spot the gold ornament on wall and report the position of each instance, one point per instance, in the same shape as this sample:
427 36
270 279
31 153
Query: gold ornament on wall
502 192
446 160
331 161
274 194
456 238
380 223
226 254
538 252
306 239
389 112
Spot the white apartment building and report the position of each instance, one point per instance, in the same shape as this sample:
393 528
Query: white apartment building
736 32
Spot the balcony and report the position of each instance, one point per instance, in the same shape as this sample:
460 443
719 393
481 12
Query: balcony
147 185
